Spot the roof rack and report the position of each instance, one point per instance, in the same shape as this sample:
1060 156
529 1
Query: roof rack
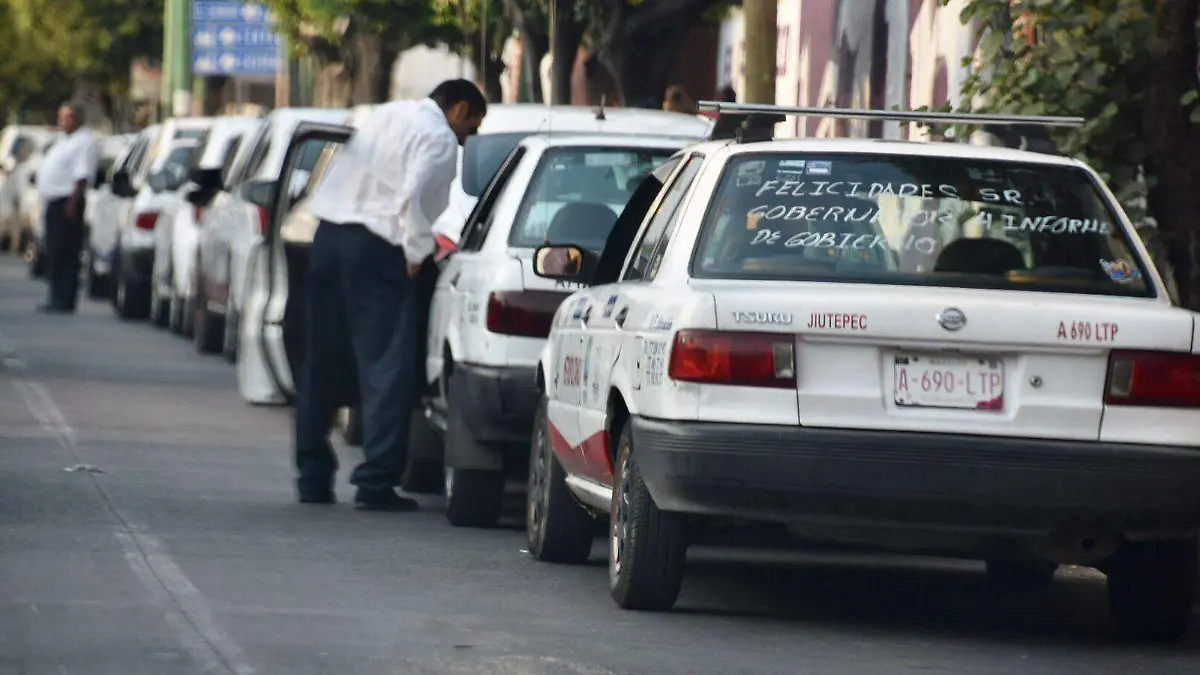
751 122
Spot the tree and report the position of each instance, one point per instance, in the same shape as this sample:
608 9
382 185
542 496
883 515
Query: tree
638 41
62 42
356 42
470 26
1090 58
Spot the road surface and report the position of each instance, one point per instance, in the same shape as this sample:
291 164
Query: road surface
147 526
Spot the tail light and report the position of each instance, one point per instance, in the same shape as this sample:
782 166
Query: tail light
523 313
1159 379
264 221
734 358
146 221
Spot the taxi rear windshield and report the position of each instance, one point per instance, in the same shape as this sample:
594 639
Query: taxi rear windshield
927 221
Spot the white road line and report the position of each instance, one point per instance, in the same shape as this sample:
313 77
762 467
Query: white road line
211 649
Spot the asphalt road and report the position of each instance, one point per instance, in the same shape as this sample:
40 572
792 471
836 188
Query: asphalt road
177 548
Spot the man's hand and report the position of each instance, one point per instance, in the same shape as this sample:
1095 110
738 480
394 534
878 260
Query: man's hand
73 208
414 270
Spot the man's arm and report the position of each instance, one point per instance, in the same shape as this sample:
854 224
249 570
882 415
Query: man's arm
82 170
426 193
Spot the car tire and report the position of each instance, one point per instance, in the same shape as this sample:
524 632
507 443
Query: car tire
1152 589
647 546
96 283
229 335
424 473
558 528
160 307
176 308
130 301
208 328
36 260
1021 572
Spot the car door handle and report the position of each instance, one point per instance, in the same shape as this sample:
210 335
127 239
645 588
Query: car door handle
586 316
619 319
454 280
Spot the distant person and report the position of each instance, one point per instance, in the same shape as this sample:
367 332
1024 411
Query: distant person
677 100
62 182
376 208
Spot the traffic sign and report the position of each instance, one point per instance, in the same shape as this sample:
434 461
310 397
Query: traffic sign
230 37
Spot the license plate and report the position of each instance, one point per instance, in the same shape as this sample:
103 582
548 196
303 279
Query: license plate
975 383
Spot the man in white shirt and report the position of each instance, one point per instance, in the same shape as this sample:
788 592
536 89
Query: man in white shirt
62 182
376 208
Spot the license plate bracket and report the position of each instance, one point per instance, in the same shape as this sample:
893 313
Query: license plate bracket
948 382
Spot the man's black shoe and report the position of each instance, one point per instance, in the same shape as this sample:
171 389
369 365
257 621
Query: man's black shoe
318 498
383 500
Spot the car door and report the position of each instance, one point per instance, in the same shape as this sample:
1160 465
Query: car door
280 327
450 311
606 328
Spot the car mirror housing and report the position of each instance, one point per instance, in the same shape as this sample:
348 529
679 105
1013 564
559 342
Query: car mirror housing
563 263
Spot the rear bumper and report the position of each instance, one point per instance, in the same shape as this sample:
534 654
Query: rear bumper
974 484
499 403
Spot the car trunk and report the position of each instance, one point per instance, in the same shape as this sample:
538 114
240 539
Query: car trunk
904 358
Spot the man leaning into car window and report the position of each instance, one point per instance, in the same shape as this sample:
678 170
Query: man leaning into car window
376 208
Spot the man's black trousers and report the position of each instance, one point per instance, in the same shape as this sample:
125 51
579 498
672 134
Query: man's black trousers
362 332
64 244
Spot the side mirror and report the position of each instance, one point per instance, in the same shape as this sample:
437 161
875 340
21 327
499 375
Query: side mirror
260 193
121 184
564 263
209 179
198 197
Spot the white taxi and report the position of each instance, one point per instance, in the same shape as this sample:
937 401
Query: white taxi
932 347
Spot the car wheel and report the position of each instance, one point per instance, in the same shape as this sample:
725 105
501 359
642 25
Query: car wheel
160 307
36 260
424 473
1021 572
647 545
474 498
1152 589
229 336
175 313
97 284
130 301
559 529
208 327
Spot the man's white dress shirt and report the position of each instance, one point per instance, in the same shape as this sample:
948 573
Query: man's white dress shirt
72 159
394 176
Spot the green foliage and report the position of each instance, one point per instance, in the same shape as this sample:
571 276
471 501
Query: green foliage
399 21
1088 59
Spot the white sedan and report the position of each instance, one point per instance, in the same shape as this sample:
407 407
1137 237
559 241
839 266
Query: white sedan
925 346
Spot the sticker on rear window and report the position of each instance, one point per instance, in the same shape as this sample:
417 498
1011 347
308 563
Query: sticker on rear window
819 168
1120 270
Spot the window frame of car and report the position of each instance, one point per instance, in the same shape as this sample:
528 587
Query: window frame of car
479 222
239 173
670 224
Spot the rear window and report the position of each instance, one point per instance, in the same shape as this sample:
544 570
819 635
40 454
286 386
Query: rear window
577 193
312 153
926 221
189 133
482 156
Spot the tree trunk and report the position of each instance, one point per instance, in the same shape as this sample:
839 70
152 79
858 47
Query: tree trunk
568 34
639 45
535 43
1174 142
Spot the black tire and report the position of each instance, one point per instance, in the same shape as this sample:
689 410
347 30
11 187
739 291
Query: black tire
1152 589
208 328
160 307
131 301
474 498
175 314
647 546
229 334
558 528
96 284
1021 572
424 474
36 259
188 326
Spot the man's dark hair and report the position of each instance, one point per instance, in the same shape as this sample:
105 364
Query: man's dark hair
77 109
452 92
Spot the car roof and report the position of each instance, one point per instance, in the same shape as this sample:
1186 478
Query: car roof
604 140
171 146
891 147
526 117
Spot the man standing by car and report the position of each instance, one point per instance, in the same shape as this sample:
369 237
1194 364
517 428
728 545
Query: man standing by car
376 208
62 182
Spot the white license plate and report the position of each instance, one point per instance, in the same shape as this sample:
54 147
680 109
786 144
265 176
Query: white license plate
932 381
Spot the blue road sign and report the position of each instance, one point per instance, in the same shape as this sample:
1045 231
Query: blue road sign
233 38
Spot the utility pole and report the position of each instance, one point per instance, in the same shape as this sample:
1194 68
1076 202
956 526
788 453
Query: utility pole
181 56
761 29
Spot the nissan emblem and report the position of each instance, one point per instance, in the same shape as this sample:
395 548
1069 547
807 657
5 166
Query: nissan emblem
952 319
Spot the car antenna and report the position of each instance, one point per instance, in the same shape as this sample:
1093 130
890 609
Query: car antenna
600 109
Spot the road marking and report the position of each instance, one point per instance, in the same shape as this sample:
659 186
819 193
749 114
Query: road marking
187 614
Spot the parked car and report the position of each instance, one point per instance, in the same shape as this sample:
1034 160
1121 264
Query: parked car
110 150
927 346
18 145
177 233
233 224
